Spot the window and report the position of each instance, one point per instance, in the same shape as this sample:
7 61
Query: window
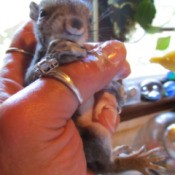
12 15
143 46
139 50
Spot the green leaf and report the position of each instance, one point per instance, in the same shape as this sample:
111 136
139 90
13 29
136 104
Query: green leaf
153 29
145 13
163 43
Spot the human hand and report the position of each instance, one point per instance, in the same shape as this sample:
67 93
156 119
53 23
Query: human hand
36 130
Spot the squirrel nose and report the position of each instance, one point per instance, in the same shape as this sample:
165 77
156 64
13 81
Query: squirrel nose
75 26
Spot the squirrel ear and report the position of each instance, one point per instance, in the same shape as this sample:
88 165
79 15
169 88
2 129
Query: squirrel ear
34 11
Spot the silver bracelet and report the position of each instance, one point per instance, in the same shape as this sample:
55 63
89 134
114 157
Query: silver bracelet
46 68
15 49
65 79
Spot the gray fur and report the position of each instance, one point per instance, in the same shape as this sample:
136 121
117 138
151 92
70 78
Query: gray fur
59 22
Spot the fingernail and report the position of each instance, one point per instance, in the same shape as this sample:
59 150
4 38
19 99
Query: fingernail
110 54
114 50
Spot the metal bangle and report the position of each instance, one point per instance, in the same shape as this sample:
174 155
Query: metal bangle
15 49
65 79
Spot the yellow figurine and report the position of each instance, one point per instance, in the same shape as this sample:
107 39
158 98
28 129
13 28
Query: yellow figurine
167 61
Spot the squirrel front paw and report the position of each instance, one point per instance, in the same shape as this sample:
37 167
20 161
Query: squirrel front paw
65 51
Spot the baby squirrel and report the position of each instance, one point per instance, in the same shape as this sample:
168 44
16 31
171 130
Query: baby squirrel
61 29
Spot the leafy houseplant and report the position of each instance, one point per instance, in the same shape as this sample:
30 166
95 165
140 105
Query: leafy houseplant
121 17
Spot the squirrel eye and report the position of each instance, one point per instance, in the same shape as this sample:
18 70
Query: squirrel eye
90 20
43 13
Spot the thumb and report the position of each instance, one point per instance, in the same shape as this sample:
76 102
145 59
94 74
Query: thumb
103 63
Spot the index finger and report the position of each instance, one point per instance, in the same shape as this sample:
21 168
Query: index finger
15 63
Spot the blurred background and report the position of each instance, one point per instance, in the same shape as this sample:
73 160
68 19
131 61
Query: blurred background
117 20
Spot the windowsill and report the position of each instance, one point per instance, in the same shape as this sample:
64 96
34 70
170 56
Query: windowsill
145 108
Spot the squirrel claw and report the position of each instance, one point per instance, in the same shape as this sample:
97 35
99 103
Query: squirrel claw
140 160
